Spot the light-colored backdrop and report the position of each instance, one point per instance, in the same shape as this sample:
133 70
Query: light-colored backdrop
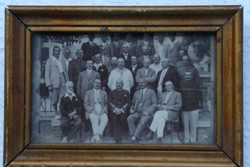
246 27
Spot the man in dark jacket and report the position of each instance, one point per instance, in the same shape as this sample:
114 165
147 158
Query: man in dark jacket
70 117
119 103
189 83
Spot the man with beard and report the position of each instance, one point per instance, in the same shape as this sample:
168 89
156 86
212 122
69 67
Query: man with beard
119 103
70 117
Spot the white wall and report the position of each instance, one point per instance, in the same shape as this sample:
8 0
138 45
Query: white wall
245 3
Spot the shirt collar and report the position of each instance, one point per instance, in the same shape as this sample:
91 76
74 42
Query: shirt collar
54 59
70 96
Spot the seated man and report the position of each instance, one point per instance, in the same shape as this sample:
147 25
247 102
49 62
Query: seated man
142 110
119 103
170 103
95 104
70 117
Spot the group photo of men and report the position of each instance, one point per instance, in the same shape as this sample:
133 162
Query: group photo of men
138 88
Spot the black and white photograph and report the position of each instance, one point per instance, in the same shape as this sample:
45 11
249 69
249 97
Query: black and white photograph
123 88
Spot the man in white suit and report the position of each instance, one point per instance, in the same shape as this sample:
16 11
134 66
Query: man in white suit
121 73
170 103
54 78
95 104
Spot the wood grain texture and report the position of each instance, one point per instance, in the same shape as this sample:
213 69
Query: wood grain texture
14 87
224 21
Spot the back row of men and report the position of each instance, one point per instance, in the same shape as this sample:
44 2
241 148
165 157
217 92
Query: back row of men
153 73
128 47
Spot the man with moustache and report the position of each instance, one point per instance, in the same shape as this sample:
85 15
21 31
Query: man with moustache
90 48
189 87
141 111
55 79
71 121
168 73
95 104
102 70
75 67
169 103
126 55
65 60
119 104
147 73
121 73
156 65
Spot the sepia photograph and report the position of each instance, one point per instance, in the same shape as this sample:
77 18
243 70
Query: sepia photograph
122 88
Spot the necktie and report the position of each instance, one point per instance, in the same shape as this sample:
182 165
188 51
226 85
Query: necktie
141 97
89 73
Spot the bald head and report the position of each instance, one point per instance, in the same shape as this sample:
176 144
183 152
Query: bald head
146 63
120 63
165 63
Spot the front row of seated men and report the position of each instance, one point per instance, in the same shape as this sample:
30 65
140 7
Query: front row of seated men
136 115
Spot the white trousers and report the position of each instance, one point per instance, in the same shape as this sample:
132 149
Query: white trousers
98 123
158 123
190 120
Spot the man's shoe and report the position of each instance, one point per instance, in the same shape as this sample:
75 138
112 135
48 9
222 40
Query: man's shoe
65 140
135 140
159 140
149 136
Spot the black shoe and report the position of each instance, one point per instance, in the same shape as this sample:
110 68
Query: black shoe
149 136
159 140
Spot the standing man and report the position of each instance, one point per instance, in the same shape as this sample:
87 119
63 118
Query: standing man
119 104
169 103
145 41
75 67
146 73
65 62
191 99
156 65
86 79
160 46
145 55
168 73
95 104
130 43
113 64
121 73
105 45
102 70
54 78
173 49
71 121
126 55
116 45
90 48
141 111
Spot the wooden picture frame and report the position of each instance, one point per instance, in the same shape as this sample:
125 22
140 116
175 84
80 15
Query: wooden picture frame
22 21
